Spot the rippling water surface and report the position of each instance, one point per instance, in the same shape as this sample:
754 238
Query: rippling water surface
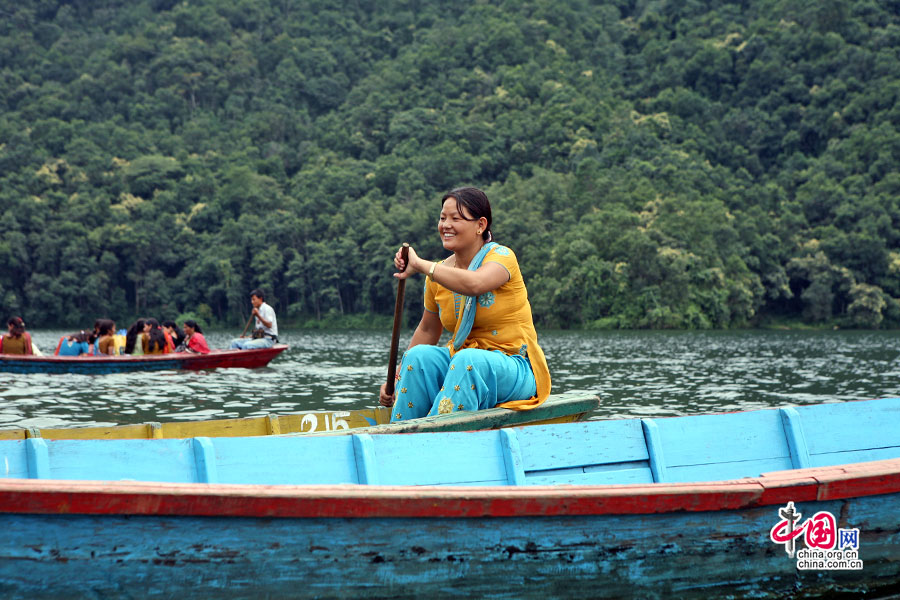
635 374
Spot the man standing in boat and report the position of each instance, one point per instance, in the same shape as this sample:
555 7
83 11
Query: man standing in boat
265 332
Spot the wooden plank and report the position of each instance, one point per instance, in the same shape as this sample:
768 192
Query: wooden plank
272 425
284 461
724 446
512 457
796 438
107 433
469 458
366 460
216 428
37 458
204 460
342 501
655 452
110 460
856 431
581 444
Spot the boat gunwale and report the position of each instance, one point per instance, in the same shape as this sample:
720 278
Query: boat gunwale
575 407
853 480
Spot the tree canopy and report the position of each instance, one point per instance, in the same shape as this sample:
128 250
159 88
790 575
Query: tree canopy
665 164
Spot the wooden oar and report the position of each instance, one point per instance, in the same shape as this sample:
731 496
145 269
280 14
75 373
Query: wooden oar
395 336
247 325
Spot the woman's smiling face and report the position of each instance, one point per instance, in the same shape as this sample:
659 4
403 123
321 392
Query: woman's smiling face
457 228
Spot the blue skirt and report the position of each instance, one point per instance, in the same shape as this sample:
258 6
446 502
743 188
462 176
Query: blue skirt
431 383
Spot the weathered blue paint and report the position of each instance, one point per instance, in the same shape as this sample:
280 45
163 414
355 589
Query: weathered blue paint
681 555
680 449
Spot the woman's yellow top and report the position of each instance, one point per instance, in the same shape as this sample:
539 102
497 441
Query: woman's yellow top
503 321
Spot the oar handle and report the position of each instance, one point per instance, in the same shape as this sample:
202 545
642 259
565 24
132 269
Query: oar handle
395 335
247 325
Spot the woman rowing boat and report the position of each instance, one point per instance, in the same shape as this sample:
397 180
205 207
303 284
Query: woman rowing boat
478 293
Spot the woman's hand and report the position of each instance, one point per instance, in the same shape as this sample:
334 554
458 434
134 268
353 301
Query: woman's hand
383 398
412 260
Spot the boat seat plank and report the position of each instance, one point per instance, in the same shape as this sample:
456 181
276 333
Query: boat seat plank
463 458
316 460
600 442
112 460
731 437
607 451
857 431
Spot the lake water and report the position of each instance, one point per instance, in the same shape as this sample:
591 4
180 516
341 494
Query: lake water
635 373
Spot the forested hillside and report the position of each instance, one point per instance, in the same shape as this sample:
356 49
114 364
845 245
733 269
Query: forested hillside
653 163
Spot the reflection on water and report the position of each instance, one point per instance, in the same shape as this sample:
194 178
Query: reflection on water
654 373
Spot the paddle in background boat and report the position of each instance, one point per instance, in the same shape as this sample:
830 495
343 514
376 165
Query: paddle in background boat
244 332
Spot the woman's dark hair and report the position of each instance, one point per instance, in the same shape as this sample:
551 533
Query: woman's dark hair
157 339
101 321
193 325
476 204
80 336
107 327
179 334
135 330
18 326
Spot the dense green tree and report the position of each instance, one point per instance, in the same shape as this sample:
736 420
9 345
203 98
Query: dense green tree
652 164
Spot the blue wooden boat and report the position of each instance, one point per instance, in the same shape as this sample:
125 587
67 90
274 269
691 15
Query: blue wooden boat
101 365
791 502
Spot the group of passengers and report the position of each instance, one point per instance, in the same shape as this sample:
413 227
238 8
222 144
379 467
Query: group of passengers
145 336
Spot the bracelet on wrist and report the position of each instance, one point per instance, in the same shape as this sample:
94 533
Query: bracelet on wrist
431 270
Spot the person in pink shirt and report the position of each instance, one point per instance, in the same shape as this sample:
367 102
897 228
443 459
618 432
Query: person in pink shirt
194 340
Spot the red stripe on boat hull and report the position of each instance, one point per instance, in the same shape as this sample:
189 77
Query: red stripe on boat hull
356 501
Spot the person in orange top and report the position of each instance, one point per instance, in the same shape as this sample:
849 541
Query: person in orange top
17 341
479 294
